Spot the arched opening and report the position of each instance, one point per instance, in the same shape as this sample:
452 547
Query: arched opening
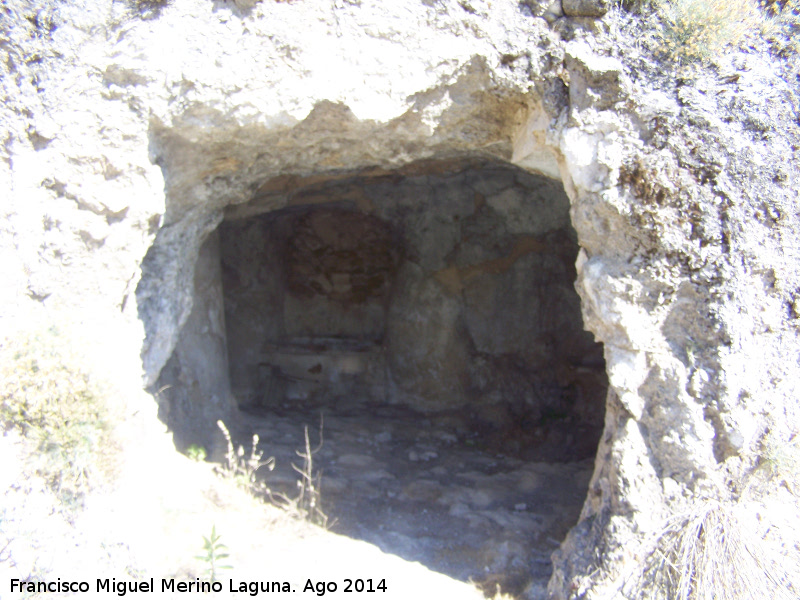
429 315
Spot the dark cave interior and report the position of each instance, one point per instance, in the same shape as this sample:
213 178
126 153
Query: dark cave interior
428 315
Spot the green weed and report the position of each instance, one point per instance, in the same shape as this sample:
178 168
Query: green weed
215 551
196 453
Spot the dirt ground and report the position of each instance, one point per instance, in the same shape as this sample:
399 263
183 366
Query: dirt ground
428 489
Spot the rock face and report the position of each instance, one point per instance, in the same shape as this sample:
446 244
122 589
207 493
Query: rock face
585 8
194 386
449 287
131 135
699 232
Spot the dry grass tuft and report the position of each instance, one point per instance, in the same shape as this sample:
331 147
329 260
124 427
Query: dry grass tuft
307 504
712 552
782 27
242 469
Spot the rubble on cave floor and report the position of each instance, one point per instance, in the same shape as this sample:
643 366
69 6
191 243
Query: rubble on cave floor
429 488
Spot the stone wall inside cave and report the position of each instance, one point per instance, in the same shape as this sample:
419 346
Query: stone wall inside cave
306 296
438 287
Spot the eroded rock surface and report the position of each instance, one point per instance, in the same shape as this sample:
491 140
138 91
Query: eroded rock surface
697 237
132 131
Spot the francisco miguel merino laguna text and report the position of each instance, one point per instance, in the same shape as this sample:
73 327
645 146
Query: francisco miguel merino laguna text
121 588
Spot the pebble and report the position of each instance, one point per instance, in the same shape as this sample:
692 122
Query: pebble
383 437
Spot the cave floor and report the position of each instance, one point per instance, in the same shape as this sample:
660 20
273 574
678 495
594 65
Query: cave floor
427 489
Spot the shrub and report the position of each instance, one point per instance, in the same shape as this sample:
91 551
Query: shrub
147 9
49 396
700 29
779 465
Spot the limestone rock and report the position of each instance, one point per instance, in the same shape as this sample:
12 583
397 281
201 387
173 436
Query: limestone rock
547 9
570 28
585 8
130 134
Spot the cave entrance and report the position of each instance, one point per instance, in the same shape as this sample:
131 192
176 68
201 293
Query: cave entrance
429 315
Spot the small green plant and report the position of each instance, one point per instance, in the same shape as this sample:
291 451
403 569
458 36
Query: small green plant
696 30
550 415
49 396
780 463
691 352
196 453
215 551
243 469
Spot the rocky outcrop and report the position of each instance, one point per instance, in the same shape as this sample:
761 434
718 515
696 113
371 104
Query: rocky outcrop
130 135
692 298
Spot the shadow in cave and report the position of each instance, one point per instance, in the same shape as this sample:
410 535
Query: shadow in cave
429 316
